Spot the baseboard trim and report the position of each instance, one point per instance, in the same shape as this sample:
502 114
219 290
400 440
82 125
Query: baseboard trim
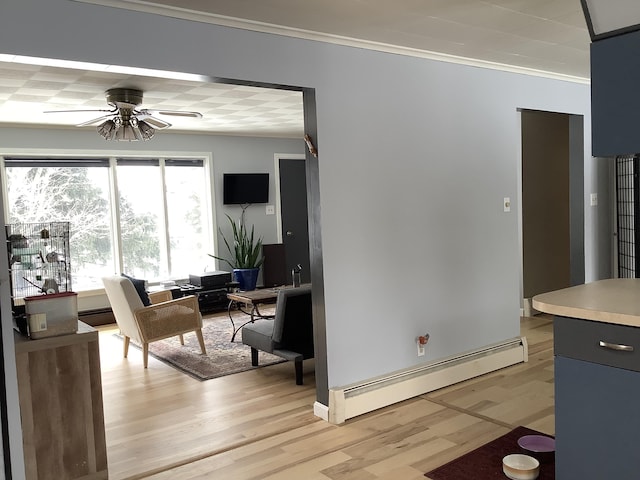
358 399
320 410
528 310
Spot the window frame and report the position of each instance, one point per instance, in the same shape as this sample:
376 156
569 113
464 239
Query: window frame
89 158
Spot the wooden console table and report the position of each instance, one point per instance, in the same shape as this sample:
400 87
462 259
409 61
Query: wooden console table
60 392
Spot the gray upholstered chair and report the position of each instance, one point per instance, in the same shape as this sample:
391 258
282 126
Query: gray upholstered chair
289 335
146 324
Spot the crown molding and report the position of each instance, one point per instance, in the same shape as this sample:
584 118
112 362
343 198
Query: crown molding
234 22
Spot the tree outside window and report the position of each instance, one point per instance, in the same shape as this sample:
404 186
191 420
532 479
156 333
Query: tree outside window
159 215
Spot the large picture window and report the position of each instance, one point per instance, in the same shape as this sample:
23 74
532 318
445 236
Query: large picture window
147 217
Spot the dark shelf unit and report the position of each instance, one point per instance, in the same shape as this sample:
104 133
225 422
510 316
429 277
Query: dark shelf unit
209 299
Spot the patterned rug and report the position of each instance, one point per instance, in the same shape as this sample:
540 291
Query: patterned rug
223 357
485 462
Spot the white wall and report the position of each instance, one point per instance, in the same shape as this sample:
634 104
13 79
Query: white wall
415 158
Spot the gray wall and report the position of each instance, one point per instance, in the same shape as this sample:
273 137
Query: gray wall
415 157
601 255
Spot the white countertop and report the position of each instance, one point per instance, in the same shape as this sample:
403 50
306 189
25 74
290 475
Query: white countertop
615 300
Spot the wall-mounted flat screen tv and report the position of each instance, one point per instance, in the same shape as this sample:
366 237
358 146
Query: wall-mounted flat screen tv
244 188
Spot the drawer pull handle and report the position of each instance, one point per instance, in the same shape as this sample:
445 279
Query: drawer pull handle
616 346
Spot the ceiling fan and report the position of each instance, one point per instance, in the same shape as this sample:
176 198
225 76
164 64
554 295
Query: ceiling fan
125 121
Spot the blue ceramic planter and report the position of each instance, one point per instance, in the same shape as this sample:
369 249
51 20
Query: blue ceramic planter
246 278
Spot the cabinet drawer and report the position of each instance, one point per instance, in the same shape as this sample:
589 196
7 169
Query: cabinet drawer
597 342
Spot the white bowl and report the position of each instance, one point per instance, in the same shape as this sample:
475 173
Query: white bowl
520 467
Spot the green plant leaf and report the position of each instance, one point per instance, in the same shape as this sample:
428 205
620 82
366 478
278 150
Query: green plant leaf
247 249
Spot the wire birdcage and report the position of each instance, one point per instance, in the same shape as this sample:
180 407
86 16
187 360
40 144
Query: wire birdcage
38 258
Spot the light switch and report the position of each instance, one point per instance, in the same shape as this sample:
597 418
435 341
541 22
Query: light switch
507 204
594 199
271 210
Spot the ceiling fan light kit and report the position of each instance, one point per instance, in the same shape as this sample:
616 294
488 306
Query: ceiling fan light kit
126 129
125 122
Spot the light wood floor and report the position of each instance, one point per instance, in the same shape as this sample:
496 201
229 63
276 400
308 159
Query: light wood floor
161 424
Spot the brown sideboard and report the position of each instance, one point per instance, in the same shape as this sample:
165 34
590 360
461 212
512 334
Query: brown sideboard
60 391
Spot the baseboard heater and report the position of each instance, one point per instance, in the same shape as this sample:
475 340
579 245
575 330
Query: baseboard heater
96 317
353 400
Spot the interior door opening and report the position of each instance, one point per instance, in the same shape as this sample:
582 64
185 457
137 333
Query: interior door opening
552 191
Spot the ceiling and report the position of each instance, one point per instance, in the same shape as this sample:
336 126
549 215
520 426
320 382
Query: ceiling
542 37
27 91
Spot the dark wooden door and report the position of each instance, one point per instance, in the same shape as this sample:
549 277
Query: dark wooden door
295 224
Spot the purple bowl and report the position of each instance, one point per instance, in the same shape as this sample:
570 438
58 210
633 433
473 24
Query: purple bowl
540 447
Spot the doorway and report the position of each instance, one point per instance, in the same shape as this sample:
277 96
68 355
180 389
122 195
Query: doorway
552 192
318 293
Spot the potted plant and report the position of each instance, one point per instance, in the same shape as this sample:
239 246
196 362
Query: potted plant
245 255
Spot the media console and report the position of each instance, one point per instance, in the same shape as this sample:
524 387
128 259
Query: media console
211 288
209 300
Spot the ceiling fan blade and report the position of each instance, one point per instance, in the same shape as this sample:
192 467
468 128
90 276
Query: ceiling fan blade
175 113
95 121
81 111
156 123
125 114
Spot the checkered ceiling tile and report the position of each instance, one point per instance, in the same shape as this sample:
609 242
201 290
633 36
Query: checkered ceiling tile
27 91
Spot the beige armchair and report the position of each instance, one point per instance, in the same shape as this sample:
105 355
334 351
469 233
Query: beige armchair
154 322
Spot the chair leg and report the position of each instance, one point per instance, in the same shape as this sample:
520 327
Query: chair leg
298 364
145 354
126 346
181 339
201 341
254 357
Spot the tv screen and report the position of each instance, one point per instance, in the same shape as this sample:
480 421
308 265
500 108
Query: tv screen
241 188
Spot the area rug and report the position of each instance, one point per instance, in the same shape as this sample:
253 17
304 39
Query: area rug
485 462
223 356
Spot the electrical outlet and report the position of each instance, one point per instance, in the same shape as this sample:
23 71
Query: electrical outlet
270 210
421 343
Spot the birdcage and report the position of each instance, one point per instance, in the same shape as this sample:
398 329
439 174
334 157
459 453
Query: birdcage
38 259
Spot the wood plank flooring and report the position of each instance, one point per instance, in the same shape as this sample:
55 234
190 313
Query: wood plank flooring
162 424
